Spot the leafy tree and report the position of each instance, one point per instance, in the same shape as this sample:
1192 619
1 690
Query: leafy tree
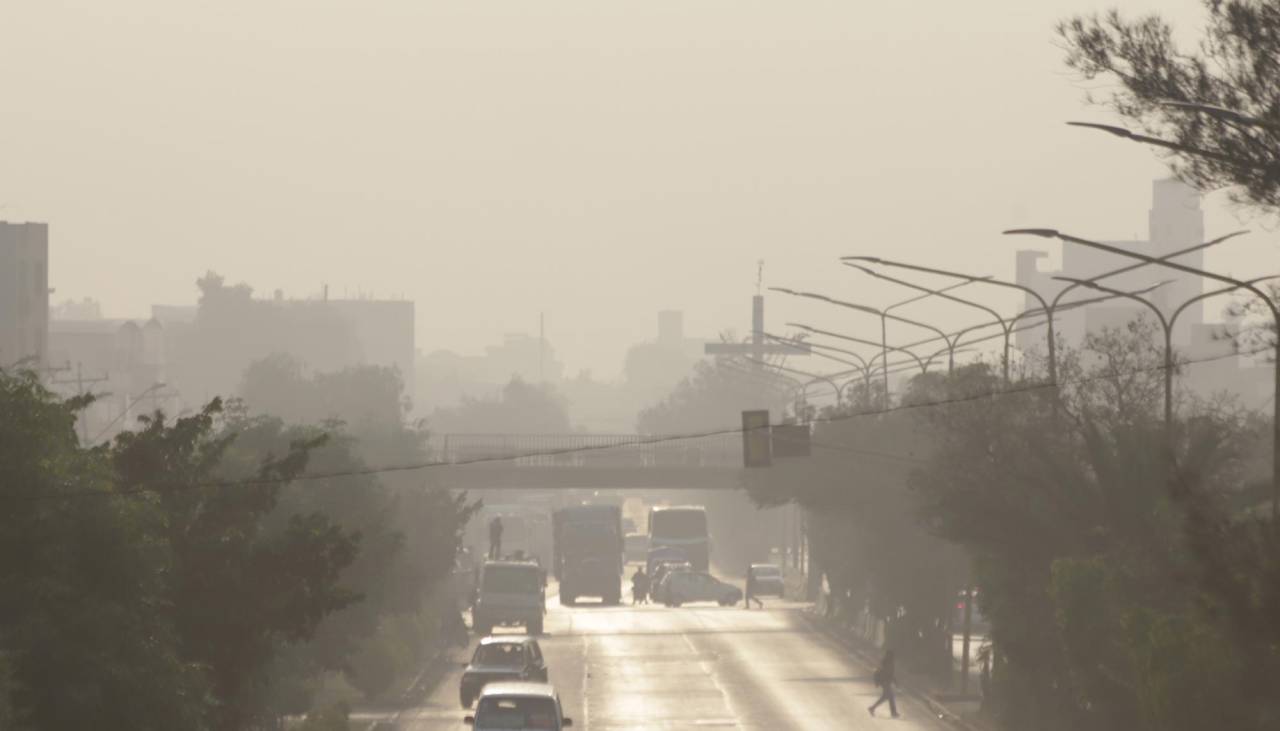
1237 67
409 533
238 586
523 408
713 397
86 640
1065 503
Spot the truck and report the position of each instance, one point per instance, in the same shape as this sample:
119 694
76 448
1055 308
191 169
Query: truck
684 528
587 552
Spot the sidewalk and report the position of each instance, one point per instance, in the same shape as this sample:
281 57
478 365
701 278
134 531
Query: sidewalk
946 703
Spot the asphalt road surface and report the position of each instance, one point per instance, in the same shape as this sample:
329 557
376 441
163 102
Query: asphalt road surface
693 667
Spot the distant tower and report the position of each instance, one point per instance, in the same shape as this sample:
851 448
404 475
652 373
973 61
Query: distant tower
24 293
671 328
1177 222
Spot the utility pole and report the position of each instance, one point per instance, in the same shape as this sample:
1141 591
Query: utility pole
542 347
80 382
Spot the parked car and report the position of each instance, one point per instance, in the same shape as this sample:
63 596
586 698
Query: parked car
766 579
683 587
518 707
510 657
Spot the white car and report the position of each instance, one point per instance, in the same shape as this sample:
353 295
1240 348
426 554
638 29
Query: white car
682 587
518 707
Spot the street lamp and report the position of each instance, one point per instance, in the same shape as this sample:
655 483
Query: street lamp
922 364
1166 323
860 365
1005 325
815 377
1049 308
884 316
1053 372
1236 284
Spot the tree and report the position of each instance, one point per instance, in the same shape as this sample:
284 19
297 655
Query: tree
409 532
86 640
1063 499
239 586
713 397
1237 68
523 408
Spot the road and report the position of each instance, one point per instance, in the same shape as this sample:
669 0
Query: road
695 667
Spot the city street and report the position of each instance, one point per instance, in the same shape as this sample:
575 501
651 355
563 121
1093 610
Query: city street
699 667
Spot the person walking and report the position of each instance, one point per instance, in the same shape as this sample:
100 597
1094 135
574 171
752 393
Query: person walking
495 538
884 677
750 594
640 587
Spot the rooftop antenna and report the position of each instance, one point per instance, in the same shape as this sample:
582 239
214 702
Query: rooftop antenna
759 275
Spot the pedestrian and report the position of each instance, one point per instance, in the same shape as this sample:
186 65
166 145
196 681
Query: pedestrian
750 595
884 677
640 587
495 538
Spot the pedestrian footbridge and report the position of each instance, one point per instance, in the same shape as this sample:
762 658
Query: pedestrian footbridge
587 461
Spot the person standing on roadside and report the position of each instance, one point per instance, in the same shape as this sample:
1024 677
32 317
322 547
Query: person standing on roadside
640 587
884 678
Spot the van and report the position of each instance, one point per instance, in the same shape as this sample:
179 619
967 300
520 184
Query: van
509 593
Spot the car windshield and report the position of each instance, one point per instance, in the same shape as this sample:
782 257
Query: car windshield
511 580
505 654
516 713
679 524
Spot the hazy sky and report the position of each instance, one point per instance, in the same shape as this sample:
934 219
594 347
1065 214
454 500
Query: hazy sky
596 161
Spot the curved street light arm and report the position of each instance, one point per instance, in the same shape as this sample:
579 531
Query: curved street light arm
1054 233
1167 257
813 377
1164 321
917 298
923 366
861 362
858 307
946 273
935 292
1174 317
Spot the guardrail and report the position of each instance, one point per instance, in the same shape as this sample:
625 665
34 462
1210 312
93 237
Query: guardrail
589 450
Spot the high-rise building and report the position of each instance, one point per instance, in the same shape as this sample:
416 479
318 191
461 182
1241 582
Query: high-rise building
24 293
1174 222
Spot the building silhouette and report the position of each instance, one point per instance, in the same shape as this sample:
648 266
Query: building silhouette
1175 222
24 294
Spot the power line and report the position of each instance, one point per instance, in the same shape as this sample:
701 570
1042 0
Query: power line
149 487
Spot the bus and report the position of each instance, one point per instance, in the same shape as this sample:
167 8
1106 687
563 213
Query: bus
682 527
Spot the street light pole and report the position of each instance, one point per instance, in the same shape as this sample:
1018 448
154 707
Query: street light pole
884 316
1053 371
1167 325
1237 284
1005 325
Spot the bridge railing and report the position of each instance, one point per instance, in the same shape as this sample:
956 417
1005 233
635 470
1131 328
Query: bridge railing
589 450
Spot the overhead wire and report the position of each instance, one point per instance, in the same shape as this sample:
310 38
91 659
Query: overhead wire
150 487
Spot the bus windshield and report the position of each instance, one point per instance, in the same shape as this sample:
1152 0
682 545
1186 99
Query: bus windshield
679 524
